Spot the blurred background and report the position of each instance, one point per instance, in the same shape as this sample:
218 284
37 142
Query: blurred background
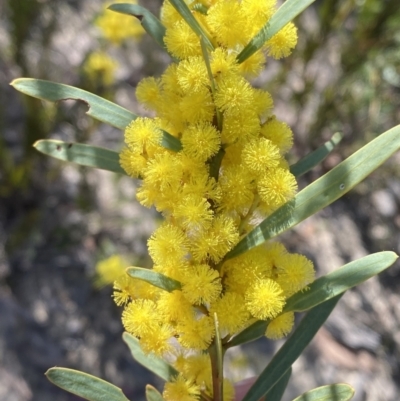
58 221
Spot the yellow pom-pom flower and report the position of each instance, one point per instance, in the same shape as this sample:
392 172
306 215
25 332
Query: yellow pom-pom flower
192 74
295 272
279 134
276 187
196 333
201 141
228 23
168 243
116 27
227 172
265 299
233 93
148 92
283 42
231 312
108 270
181 389
281 326
140 317
181 41
259 155
100 68
201 285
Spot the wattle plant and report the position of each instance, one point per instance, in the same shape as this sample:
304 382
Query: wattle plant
212 161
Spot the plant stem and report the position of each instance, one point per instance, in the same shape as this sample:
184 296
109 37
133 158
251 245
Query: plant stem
216 356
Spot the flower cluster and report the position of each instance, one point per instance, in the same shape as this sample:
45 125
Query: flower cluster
229 171
99 67
117 27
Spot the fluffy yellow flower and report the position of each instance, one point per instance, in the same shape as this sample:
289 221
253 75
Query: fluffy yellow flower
252 66
117 27
201 141
295 272
143 135
231 311
192 74
201 285
276 187
197 107
181 41
240 125
100 68
181 389
237 187
109 269
197 368
196 333
127 288
148 92
279 134
265 299
234 93
281 326
133 162
174 305
228 172
259 155
282 43
168 243
140 317
194 212
228 23
223 63
156 341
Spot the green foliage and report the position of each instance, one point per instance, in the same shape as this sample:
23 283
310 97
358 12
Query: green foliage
324 289
289 10
314 158
152 394
154 364
151 24
100 109
79 153
323 293
333 392
154 278
186 14
323 191
276 392
291 350
83 385
339 281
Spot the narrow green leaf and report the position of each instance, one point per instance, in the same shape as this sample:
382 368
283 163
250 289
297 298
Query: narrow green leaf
85 155
99 108
339 281
323 289
217 361
323 191
156 365
333 392
187 15
314 158
291 350
152 394
154 278
286 13
150 23
170 142
83 385
276 392
251 333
